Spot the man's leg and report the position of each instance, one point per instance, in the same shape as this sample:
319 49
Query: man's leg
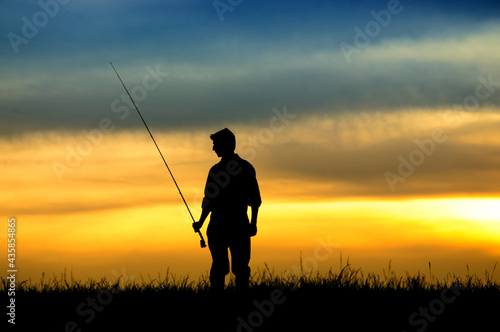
220 263
240 257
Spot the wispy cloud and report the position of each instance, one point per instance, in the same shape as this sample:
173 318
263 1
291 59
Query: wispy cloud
230 72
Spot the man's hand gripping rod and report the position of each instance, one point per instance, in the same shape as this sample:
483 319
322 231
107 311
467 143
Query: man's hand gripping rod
202 240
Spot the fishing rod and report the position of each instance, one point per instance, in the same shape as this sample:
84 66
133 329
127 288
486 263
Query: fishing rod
202 240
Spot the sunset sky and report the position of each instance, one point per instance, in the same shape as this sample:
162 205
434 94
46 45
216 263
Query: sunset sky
372 125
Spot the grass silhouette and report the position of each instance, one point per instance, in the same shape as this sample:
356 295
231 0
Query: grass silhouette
347 300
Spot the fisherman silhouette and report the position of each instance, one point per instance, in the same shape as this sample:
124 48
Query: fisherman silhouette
230 188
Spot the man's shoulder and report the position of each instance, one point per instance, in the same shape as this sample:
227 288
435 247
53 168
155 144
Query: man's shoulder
243 163
217 167
234 162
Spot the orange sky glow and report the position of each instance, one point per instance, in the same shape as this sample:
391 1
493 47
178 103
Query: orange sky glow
110 205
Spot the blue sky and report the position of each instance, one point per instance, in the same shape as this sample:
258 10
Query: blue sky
262 55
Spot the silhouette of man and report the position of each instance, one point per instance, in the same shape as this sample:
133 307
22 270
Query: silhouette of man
231 187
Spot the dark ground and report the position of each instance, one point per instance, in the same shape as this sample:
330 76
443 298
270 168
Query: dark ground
263 309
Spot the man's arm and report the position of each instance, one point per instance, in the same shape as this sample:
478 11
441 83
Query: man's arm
206 207
254 201
255 212
203 217
253 221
